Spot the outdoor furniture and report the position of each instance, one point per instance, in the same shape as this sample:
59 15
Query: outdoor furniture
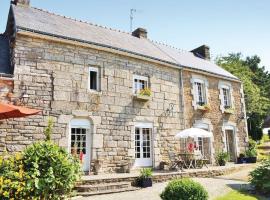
176 162
190 160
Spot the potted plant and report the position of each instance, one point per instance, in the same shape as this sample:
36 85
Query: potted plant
145 178
97 166
241 159
251 155
251 152
222 158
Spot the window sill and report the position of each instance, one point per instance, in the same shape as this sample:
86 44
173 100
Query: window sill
141 97
94 92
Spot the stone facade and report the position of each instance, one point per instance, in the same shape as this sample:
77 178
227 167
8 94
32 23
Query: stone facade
54 75
215 118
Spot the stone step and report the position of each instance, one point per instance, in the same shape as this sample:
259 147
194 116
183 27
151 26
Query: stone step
102 187
85 194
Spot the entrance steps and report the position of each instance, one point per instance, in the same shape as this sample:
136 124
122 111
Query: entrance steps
93 188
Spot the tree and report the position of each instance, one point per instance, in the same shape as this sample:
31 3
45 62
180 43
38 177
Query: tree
256 83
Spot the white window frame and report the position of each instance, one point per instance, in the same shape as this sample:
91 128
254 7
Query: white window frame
203 92
143 78
225 85
194 90
94 69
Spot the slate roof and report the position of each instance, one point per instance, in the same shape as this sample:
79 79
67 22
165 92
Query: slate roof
5 66
40 21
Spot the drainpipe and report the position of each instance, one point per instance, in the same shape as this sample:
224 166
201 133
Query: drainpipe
182 96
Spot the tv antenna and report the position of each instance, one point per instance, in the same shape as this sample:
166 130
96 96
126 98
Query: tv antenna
132 11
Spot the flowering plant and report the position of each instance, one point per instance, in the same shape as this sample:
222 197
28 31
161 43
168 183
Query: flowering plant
145 92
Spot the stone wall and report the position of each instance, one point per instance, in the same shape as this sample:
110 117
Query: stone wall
215 118
55 76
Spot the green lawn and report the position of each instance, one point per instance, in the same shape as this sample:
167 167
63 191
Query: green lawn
236 195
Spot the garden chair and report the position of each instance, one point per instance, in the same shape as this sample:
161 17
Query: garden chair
176 162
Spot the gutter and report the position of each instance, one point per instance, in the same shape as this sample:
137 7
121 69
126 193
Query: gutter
174 65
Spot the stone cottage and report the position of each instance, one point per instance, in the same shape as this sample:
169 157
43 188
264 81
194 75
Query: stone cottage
113 96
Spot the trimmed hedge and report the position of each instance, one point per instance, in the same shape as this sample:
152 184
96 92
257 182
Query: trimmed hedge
184 189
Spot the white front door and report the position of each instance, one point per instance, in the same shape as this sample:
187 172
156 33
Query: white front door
80 141
143 149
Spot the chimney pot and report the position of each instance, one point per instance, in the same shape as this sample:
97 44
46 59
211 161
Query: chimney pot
22 2
202 52
140 33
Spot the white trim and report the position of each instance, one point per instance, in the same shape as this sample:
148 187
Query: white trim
83 123
225 85
233 127
138 77
141 125
204 81
94 69
206 123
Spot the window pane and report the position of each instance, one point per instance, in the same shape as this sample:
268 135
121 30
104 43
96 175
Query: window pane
93 80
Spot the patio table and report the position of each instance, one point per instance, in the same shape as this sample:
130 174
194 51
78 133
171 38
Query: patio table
188 159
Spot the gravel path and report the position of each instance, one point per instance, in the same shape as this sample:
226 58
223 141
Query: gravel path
215 186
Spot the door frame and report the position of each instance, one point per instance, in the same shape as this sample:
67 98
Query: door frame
144 125
83 123
233 129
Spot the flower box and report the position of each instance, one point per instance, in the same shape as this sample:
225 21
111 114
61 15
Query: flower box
229 110
142 97
205 107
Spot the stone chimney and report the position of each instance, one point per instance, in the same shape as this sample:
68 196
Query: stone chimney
22 2
140 33
202 52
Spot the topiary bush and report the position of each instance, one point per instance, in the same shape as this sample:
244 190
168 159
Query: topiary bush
260 177
184 189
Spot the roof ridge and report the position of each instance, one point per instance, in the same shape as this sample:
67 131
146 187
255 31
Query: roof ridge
173 47
82 21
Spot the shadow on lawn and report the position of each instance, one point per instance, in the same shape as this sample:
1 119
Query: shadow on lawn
247 189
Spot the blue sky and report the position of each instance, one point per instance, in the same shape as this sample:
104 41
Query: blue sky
225 25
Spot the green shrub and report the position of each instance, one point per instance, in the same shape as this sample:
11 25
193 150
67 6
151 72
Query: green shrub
146 173
184 189
260 177
52 169
43 171
222 158
13 178
251 152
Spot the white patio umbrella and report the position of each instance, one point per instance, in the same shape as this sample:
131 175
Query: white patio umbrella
194 133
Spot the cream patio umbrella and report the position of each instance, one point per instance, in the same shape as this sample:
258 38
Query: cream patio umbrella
194 133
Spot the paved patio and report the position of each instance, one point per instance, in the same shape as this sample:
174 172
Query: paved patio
229 167
215 186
